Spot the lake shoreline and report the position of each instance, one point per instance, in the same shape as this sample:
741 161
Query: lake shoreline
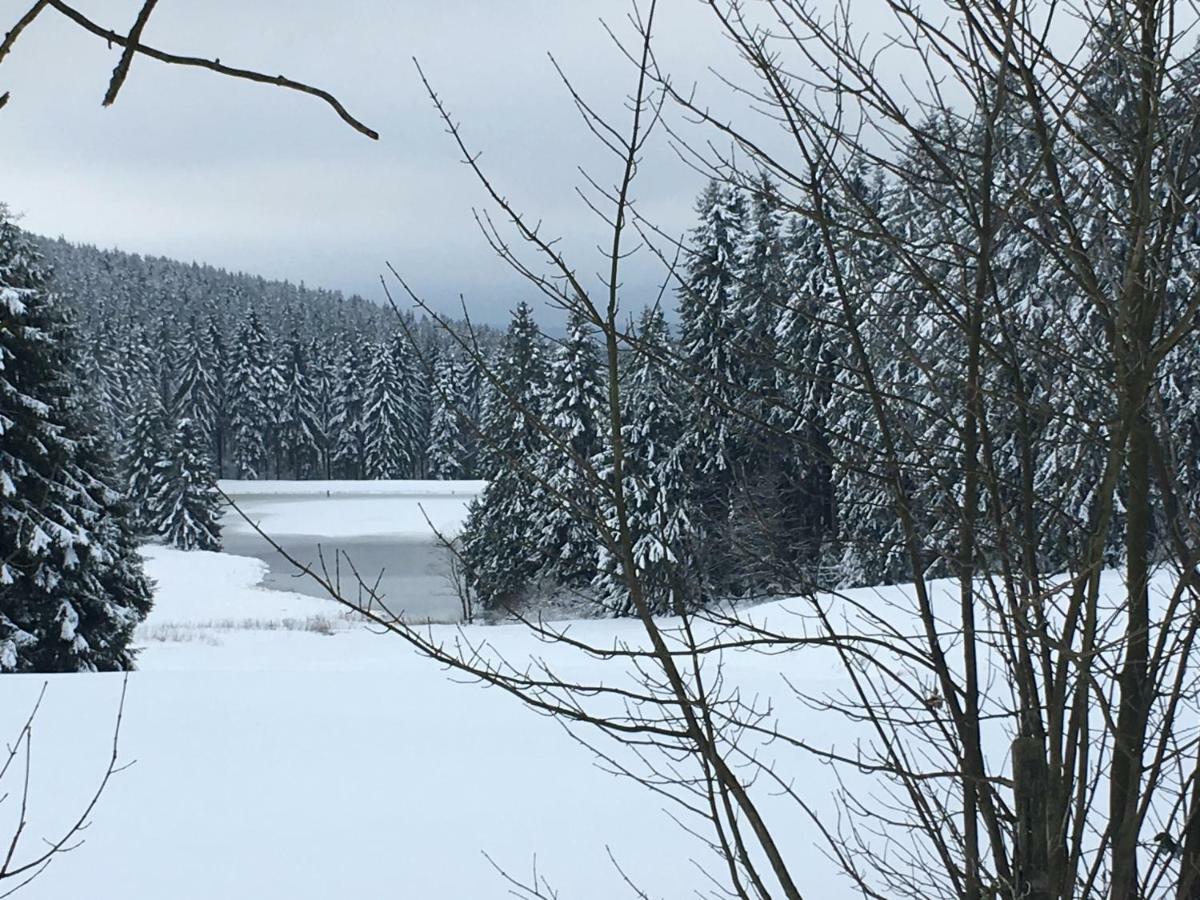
381 540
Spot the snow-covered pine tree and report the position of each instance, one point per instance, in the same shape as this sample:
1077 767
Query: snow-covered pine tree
322 382
501 534
514 398
569 499
187 497
167 354
447 444
136 311
275 392
71 584
249 411
1180 382
196 394
348 425
96 389
758 299
869 541
810 343
472 387
134 380
659 486
149 445
707 340
218 357
1076 437
296 415
418 371
764 525
387 414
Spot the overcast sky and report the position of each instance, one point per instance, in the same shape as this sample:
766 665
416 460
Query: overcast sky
191 165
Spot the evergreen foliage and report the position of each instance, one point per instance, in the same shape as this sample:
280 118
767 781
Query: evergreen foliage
187 493
272 373
448 440
149 445
71 584
575 419
503 529
388 413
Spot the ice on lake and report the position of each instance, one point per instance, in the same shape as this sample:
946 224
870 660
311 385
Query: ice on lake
383 532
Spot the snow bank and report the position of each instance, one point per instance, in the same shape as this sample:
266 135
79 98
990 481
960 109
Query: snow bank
198 587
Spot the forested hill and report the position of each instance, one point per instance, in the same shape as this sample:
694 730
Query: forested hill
111 290
280 380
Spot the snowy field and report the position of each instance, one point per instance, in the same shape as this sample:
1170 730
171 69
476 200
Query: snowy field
385 529
278 762
283 751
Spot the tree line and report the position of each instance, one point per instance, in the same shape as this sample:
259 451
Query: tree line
755 463
196 374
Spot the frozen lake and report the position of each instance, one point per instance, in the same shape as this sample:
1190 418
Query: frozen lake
385 529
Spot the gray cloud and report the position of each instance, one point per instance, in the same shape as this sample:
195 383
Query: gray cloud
191 165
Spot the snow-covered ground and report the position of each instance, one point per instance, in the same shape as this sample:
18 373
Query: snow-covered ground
276 762
284 751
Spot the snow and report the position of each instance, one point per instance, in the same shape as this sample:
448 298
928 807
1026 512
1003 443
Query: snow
277 762
294 765
384 535
198 587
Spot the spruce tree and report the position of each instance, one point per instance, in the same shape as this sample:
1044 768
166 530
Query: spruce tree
250 412
275 393
709 314
514 402
709 321
764 521
447 443
574 418
387 415
421 371
149 445
296 414
503 529
71 585
809 346
659 485
219 377
196 394
187 497
321 389
348 423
